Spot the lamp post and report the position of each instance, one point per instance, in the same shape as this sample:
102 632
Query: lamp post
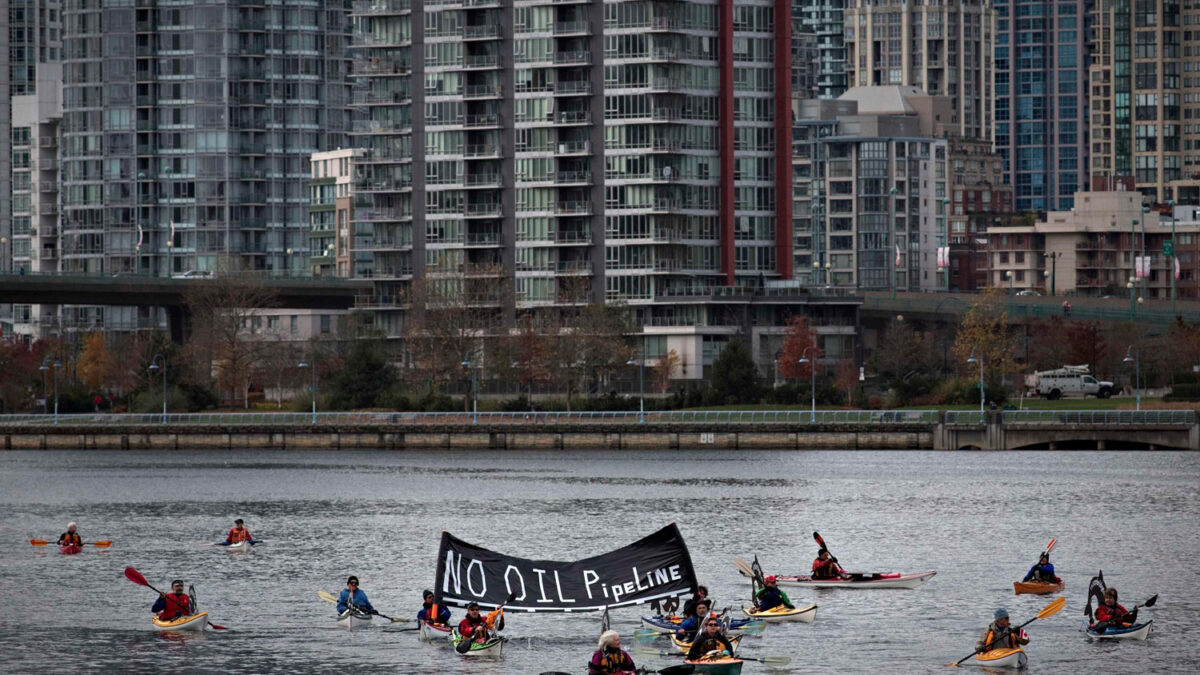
4 258
1009 275
137 220
972 359
1053 258
946 202
812 372
56 365
1174 260
287 264
1137 372
312 388
891 243
1146 271
641 386
1129 285
474 392
154 367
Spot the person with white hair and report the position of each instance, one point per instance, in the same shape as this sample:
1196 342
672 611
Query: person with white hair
610 659
70 537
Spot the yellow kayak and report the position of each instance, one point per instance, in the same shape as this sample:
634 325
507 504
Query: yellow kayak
195 622
781 613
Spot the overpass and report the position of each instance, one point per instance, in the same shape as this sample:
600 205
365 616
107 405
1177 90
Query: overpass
879 306
289 292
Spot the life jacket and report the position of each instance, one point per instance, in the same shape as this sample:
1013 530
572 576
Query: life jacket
70 538
989 645
613 661
823 569
237 536
177 605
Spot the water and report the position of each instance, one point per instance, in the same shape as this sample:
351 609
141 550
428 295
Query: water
979 519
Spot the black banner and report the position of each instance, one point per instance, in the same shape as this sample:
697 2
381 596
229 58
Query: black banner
654 567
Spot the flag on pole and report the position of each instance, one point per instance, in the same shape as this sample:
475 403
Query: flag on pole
1176 259
897 254
138 245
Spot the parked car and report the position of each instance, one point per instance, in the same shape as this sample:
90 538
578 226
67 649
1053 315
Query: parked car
194 274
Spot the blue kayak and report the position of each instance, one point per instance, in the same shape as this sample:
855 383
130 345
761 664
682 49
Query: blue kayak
1138 631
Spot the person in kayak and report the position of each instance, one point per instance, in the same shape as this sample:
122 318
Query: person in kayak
1111 614
770 597
689 607
610 659
431 612
238 533
692 624
70 536
478 627
170 606
825 567
998 635
1043 571
710 640
353 596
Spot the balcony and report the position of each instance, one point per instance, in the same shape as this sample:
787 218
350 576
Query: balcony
486 150
573 148
577 58
482 91
381 67
484 32
572 28
573 267
484 270
574 117
481 61
377 215
484 210
483 180
484 120
573 177
574 208
572 237
380 7
483 239
572 88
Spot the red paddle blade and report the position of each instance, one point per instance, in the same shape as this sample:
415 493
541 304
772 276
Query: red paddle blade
820 541
216 626
1050 545
38 542
136 577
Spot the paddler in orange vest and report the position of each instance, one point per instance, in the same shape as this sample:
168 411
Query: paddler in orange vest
173 605
238 533
433 613
998 635
70 537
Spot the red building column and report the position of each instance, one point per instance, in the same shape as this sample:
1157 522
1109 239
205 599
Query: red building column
783 139
728 226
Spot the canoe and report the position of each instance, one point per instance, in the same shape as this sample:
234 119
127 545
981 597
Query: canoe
1003 658
351 619
685 645
857 580
780 614
195 622
491 648
1036 587
1139 631
670 624
721 666
70 549
240 547
435 634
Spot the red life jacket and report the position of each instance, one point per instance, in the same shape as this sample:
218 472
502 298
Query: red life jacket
177 605
237 536
70 538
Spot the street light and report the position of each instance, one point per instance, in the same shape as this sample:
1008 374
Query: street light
812 370
946 202
56 365
474 392
641 387
892 243
972 359
287 264
1053 258
1137 372
1129 285
1009 275
154 367
1174 260
312 389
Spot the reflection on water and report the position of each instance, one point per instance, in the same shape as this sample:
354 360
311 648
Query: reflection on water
979 519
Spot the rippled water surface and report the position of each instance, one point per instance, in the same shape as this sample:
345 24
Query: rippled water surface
979 519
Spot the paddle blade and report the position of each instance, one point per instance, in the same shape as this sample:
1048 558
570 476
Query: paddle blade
216 626
38 542
1150 603
681 669
743 567
820 541
1052 608
136 577
774 660
103 543
327 597
1050 545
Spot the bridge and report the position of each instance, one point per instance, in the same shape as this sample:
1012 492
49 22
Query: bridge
289 292
950 307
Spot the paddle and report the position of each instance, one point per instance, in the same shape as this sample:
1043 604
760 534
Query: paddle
137 578
103 543
1047 611
822 544
464 643
330 597
1046 552
253 542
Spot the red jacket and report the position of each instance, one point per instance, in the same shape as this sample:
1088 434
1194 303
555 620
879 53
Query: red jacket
1103 613
467 626
173 606
235 536
825 569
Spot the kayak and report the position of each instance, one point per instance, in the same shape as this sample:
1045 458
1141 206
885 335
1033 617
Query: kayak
351 619
684 645
1036 587
858 580
781 613
1003 658
435 633
1139 631
670 624
726 665
195 622
240 547
492 647
70 549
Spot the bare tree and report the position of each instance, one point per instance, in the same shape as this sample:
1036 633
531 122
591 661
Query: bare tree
446 327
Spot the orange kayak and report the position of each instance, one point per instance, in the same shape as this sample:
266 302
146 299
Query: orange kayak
1036 587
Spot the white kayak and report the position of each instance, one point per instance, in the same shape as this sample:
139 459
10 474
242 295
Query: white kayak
1002 658
848 579
435 634
194 622
1139 631
240 547
781 613
351 619
492 647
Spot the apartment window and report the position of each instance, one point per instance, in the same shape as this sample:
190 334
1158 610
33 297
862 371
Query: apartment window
326 324
295 324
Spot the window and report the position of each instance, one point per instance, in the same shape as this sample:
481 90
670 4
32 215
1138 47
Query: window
326 324
295 324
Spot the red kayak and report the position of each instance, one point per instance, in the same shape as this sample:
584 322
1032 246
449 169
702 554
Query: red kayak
70 549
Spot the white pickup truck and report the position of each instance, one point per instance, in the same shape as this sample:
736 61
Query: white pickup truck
1067 381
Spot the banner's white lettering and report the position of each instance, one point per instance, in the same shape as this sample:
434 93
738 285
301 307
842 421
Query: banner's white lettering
452 574
638 581
558 586
542 585
482 579
590 577
508 584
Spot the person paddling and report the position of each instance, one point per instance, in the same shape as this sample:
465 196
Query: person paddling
171 606
610 659
238 533
1043 571
692 624
998 635
70 537
770 597
1111 614
476 626
689 607
710 640
353 596
431 612
825 567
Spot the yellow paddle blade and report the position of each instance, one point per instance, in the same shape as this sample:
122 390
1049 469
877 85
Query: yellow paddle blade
38 542
1052 608
103 543
327 597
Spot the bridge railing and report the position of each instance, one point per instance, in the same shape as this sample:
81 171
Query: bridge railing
1100 417
964 417
797 417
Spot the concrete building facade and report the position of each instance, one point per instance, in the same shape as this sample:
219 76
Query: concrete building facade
337 247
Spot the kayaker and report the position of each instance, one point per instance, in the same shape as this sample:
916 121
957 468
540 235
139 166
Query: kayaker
825 566
689 607
477 626
238 533
440 613
175 604
1112 614
1043 571
610 659
353 596
691 625
770 597
998 635
710 640
70 536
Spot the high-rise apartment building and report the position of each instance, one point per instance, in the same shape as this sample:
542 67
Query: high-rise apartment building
1041 100
188 128
943 47
336 247
823 20
1141 109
